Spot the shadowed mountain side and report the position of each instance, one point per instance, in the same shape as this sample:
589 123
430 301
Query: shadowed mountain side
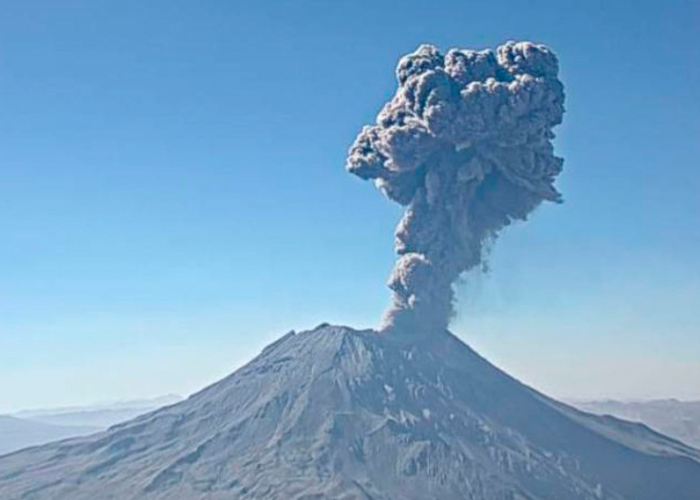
342 414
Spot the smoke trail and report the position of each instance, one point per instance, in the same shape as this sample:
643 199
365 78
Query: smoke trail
465 145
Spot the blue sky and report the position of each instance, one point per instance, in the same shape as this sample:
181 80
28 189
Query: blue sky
173 197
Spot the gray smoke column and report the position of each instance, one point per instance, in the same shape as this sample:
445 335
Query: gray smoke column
466 146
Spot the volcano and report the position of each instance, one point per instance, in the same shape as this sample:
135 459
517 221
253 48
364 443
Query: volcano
336 413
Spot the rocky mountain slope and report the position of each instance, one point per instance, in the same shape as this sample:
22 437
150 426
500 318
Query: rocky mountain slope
335 413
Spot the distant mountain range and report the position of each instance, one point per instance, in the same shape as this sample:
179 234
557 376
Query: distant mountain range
34 427
677 419
17 433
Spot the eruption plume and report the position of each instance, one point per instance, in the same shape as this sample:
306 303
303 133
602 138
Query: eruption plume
466 146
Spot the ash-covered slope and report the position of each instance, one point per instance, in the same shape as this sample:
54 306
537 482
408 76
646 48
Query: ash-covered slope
335 413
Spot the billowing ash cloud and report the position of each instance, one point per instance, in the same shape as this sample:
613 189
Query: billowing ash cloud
466 146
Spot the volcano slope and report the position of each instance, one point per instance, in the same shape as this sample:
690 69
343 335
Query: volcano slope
335 413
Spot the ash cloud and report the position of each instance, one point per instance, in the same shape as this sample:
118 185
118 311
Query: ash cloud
466 146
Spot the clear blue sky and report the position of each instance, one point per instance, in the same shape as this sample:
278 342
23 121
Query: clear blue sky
173 197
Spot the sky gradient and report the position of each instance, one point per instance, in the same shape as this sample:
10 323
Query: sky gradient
173 194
